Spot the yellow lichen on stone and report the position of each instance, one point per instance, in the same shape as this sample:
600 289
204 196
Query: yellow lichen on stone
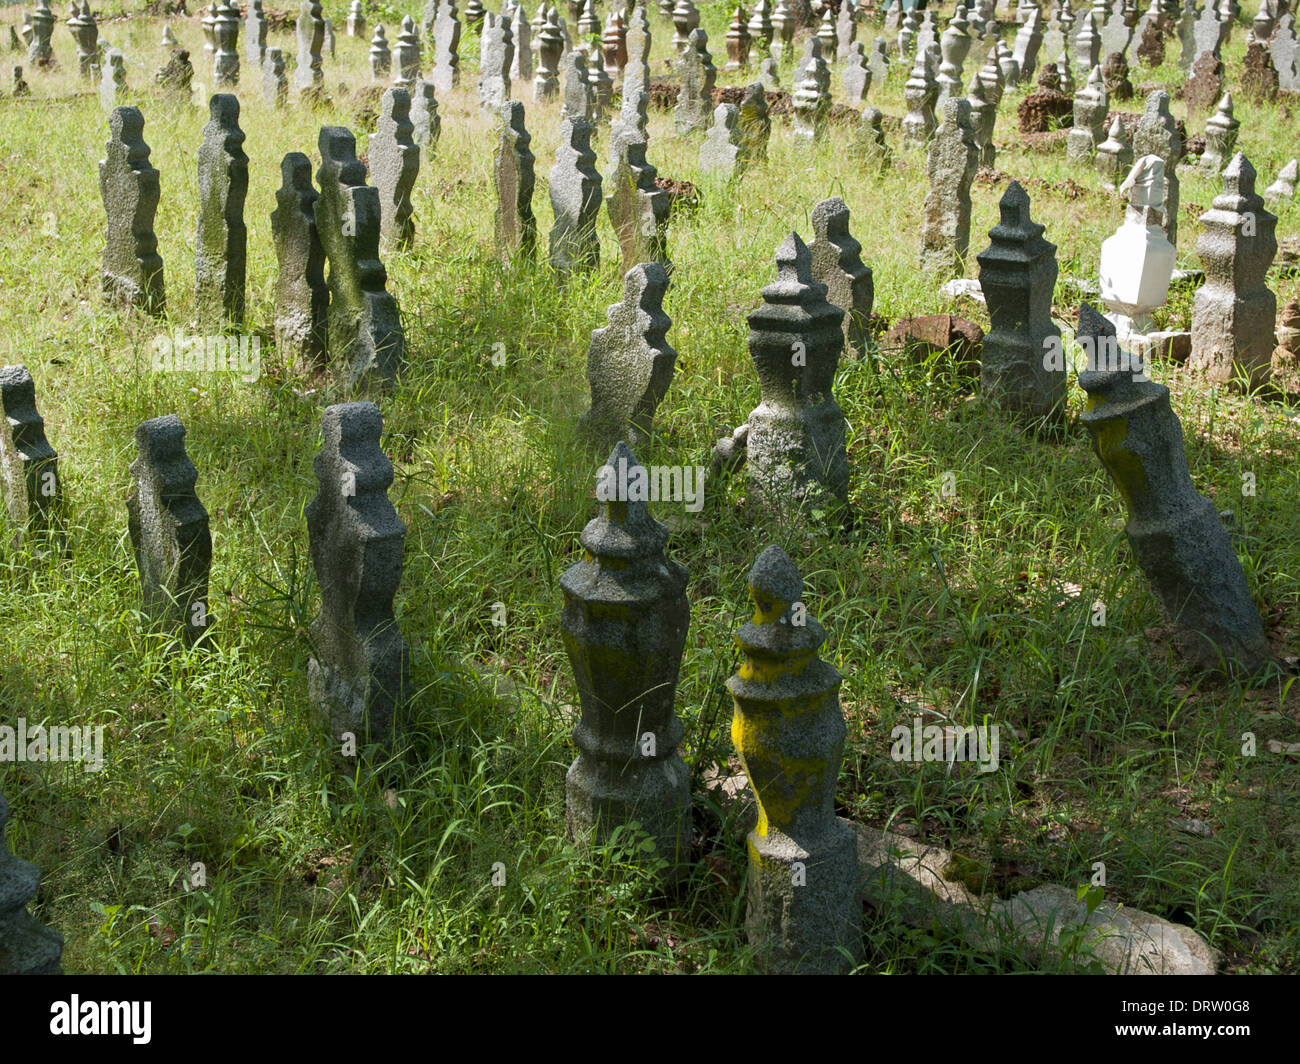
1123 465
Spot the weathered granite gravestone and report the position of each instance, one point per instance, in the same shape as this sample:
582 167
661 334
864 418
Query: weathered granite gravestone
804 909
695 69
381 59
169 532
1029 42
1114 156
39 52
579 101
446 43
112 84
1017 275
1286 54
1233 312
512 174
128 184
636 74
920 93
356 22
1086 51
275 85
225 56
86 33
754 122
983 114
1220 136
550 43
425 122
1284 187
630 362
856 77
575 199
301 295
878 61
1091 105
868 146
394 167
27 946
951 166
33 496
1158 135
496 53
638 209
796 447
1116 33
359 675
1114 75
406 54
221 246
624 624
723 152
837 264
1179 541
521 67
365 329
19 85
309 79
737 41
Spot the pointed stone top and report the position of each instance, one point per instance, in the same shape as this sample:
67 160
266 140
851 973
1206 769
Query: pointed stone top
1239 177
1095 80
774 584
1116 131
699 40
408 24
812 49
726 115
1225 105
977 92
1290 172
625 530
380 35
793 263
1013 207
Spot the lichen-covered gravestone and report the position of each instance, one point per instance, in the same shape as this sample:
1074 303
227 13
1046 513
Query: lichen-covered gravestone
575 189
837 263
221 247
27 946
796 448
365 329
496 51
1017 275
630 362
1233 312
579 99
301 295
1179 541
394 166
512 174
1158 135
358 678
169 532
28 463
128 184
804 908
1220 136
624 624
723 152
951 166
309 78
637 207
696 71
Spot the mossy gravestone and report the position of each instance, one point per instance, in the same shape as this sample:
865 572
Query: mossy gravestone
221 247
365 329
133 269
624 623
796 446
27 947
301 295
804 912
358 678
169 532
28 462
630 362
512 173
951 166
1177 536
837 264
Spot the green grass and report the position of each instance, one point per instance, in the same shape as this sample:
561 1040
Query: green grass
972 605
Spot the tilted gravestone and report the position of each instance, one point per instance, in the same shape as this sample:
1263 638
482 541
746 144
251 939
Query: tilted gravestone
512 174
365 329
630 362
837 264
359 675
696 71
638 209
394 167
27 946
169 532
309 79
796 448
575 189
1233 313
221 247
624 624
1017 276
803 901
951 166
33 496
128 184
1178 538
301 295
1158 135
